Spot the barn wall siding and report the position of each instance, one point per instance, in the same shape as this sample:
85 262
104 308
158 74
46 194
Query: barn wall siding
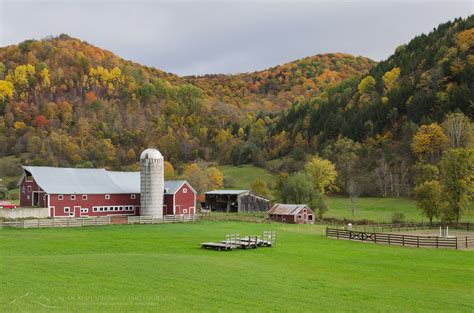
185 202
94 200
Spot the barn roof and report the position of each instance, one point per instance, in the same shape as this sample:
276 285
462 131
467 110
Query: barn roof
287 209
58 180
226 192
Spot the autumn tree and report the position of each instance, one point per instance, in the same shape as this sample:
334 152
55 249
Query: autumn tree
429 142
169 171
260 187
6 91
216 178
323 174
457 178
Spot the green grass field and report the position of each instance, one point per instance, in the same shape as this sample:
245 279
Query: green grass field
243 176
381 209
145 268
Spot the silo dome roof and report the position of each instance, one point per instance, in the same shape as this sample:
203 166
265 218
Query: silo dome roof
151 154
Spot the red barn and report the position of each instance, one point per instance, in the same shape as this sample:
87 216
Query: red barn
77 192
291 213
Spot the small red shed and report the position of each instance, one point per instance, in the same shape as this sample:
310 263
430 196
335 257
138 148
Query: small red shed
291 213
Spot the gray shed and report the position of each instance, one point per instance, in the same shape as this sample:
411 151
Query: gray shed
236 201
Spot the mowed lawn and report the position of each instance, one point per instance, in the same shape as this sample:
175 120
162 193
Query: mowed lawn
381 209
138 268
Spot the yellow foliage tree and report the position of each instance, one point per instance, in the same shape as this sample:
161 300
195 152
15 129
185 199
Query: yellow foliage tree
216 178
390 78
169 171
366 85
6 90
324 174
429 141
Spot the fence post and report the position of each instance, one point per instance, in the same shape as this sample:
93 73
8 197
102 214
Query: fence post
337 233
375 238
96 219
417 241
388 238
466 242
437 241
82 222
139 219
38 223
456 243
67 222
403 240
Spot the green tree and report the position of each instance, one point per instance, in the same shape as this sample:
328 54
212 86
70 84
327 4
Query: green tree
457 177
425 172
429 199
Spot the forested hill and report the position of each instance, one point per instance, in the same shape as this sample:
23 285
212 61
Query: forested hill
66 102
420 83
277 88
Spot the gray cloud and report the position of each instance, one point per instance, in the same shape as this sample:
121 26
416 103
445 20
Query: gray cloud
198 37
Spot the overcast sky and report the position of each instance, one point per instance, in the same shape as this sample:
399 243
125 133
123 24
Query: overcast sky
198 37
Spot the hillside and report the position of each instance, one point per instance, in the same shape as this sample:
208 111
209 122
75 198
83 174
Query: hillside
276 88
378 114
66 102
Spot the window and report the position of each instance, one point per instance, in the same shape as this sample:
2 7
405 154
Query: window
60 197
299 215
133 196
84 210
84 197
185 211
67 209
29 178
94 209
304 210
28 188
71 214
101 209
185 190
73 197
107 197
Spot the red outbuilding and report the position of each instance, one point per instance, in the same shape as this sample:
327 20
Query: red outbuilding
291 213
74 192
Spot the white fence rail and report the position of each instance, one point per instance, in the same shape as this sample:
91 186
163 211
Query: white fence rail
93 221
165 219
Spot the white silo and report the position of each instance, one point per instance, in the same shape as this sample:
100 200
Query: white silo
151 183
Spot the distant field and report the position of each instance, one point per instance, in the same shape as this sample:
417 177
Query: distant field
145 268
243 176
380 209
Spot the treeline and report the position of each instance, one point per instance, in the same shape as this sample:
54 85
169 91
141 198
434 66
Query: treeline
67 103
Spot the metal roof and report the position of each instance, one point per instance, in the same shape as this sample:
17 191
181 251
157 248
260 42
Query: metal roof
226 192
58 180
287 209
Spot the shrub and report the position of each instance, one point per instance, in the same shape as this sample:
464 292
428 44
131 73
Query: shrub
398 217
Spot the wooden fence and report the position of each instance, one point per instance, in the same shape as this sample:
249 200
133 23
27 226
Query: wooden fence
403 240
410 227
92 221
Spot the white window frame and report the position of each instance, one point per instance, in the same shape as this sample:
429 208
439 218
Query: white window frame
84 210
185 190
185 211
133 196
72 197
67 209
84 197
28 188
107 197
60 197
